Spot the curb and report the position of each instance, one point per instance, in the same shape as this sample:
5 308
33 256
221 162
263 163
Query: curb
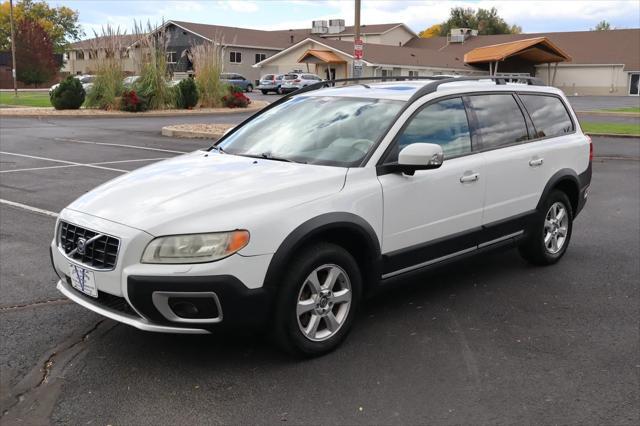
610 113
34 113
613 135
189 134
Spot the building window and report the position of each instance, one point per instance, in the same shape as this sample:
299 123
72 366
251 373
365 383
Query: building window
124 53
235 57
260 57
171 57
109 54
413 73
93 54
79 55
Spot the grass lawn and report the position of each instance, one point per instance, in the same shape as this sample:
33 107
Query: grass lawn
29 99
626 109
613 128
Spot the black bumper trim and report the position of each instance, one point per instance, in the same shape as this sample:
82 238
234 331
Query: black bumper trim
241 307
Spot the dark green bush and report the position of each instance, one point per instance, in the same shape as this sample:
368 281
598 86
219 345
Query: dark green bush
187 94
68 95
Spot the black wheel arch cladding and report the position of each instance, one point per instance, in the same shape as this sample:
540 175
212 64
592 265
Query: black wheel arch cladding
345 229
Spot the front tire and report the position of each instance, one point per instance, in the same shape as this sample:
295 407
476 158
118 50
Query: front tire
264 92
551 231
279 90
318 300
249 88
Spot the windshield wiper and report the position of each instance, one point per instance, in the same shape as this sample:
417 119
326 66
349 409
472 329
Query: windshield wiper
219 149
268 156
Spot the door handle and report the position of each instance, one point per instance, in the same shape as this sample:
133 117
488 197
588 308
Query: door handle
536 162
471 177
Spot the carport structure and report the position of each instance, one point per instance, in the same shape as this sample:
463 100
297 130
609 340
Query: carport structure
518 55
325 61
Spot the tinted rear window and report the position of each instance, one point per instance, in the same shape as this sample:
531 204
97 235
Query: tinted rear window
290 76
549 115
500 120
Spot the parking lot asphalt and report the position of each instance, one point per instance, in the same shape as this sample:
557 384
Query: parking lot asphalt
491 340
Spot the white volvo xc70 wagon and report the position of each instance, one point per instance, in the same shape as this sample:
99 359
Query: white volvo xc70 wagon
307 206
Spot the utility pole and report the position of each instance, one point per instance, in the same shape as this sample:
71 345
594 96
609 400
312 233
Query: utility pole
357 43
13 50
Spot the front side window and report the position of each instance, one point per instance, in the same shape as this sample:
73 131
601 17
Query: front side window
443 123
235 57
500 120
324 130
549 116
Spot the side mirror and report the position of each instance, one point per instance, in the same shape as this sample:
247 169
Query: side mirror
420 156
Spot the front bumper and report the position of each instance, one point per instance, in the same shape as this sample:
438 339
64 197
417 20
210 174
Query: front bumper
235 305
226 293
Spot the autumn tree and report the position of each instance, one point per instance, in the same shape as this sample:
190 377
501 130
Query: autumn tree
35 63
486 21
432 31
602 26
60 23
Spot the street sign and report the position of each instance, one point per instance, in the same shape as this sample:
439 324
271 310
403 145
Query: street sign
357 68
357 49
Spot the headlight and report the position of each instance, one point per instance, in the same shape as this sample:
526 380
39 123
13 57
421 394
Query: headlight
194 248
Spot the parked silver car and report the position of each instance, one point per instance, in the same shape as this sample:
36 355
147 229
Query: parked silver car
295 81
271 83
86 80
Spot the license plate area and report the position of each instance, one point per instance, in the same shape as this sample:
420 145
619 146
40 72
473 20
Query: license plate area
83 280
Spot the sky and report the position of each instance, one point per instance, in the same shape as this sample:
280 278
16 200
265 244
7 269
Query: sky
532 16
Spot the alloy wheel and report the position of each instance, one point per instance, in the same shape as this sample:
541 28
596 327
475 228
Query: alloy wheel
556 227
323 302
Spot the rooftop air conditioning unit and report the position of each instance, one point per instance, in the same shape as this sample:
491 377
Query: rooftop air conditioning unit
459 35
336 26
319 27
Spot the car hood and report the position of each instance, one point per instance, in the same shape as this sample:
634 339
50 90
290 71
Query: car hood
207 191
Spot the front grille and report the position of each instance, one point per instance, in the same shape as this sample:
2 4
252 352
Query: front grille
100 253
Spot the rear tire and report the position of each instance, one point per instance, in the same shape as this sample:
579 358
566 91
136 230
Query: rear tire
249 88
279 90
550 233
318 300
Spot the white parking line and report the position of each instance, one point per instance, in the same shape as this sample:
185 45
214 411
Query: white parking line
80 165
120 145
64 162
28 208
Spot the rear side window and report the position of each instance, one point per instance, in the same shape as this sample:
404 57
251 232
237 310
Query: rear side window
500 120
549 115
443 123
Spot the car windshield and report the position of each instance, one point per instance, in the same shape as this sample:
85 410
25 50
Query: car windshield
324 130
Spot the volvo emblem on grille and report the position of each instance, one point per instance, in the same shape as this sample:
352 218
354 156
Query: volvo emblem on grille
81 245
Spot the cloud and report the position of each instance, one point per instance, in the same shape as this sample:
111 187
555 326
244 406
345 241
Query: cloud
240 6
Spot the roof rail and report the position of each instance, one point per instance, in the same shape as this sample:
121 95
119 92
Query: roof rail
430 88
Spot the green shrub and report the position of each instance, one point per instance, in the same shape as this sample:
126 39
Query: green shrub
107 87
68 95
186 94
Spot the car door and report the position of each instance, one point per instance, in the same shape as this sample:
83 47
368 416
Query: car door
434 214
514 166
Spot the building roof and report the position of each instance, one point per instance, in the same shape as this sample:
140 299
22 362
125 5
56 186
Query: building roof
276 39
538 50
584 47
125 40
326 56
383 54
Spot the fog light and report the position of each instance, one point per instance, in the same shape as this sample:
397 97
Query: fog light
184 309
